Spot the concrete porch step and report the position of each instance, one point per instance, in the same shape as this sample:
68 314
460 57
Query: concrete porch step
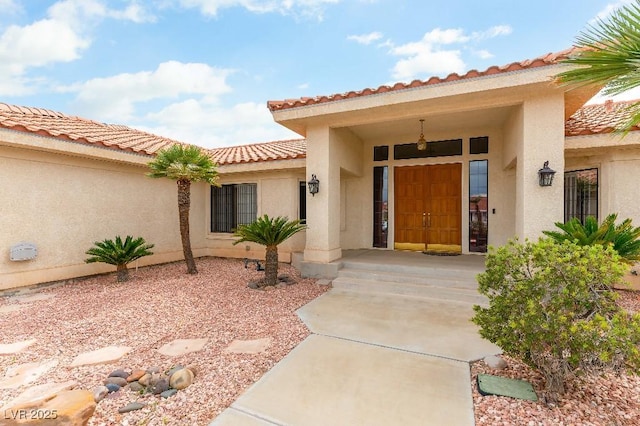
434 270
420 290
423 276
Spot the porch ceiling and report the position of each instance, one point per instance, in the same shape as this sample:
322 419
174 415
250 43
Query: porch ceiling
434 123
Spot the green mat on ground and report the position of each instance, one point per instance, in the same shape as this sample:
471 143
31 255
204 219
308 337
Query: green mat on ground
496 385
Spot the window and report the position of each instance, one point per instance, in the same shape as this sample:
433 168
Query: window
302 202
434 149
380 153
478 206
581 194
233 205
380 207
479 145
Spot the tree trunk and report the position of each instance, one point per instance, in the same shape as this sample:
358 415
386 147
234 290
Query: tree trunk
184 203
271 266
122 273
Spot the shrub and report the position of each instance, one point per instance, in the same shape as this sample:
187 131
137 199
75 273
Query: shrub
624 237
119 253
551 305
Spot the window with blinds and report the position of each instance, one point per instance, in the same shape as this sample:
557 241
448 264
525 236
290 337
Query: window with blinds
233 205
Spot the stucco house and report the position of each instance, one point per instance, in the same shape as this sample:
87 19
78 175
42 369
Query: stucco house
68 181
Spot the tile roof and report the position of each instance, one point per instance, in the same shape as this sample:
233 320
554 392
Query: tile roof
54 124
278 150
598 118
541 61
61 126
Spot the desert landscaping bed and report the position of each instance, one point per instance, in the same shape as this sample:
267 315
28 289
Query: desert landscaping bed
609 400
159 305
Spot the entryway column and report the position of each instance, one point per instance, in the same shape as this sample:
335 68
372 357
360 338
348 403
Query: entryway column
537 207
323 209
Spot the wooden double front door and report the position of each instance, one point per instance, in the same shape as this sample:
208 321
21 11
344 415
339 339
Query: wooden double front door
428 203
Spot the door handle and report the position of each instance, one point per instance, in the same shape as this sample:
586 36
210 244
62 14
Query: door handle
424 222
429 221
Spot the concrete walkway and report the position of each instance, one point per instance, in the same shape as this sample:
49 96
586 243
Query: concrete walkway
373 359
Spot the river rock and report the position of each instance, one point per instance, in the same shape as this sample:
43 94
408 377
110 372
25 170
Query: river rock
136 386
132 406
181 379
169 393
136 375
144 380
99 392
112 387
116 380
120 373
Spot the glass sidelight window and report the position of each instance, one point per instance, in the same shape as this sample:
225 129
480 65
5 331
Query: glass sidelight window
478 205
380 206
581 194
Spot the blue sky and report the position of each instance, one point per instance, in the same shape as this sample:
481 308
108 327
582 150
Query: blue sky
202 71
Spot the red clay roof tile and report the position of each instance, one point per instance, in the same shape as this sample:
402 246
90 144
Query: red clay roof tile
55 124
545 60
598 118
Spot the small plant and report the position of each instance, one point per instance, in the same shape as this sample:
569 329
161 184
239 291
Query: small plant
269 232
624 237
551 305
119 253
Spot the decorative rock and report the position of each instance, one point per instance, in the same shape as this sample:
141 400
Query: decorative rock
253 285
99 392
135 375
116 381
496 362
132 406
154 370
120 373
136 386
174 369
157 387
144 380
36 395
112 387
181 379
71 408
194 369
169 393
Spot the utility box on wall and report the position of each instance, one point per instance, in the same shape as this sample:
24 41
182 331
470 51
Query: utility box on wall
23 251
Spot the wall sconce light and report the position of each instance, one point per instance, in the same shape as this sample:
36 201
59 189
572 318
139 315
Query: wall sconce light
422 142
545 175
314 185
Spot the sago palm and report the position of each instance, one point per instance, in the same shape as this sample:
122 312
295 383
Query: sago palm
608 55
119 253
625 238
184 164
269 232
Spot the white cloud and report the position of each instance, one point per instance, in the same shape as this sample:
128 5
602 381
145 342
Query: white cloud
365 38
483 54
306 8
60 37
9 7
211 126
432 55
608 9
115 98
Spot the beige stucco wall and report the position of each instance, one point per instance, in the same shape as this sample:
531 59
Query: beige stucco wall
277 191
64 203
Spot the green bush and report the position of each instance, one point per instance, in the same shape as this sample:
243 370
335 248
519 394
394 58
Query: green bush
551 305
624 238
119 253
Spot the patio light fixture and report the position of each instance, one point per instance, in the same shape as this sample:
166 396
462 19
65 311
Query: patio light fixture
422 142
545 175
314 185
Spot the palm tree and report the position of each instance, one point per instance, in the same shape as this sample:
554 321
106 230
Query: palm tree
119 253
607 54
184 164
269 232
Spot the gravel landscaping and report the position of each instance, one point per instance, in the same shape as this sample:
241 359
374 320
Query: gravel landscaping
158 305
612 399
161 304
